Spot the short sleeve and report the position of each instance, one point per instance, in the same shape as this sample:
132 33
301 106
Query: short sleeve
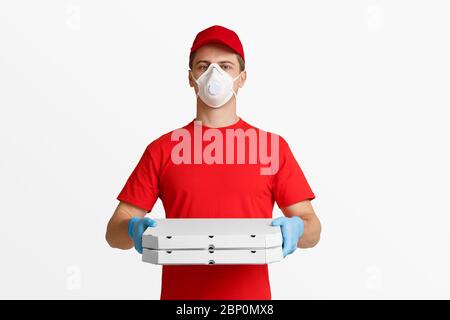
289 184
142 187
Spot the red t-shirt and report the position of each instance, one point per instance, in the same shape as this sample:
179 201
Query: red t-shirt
215 190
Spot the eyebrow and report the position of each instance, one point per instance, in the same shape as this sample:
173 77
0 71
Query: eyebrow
224 61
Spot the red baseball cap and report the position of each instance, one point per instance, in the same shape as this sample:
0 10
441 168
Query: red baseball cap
219 34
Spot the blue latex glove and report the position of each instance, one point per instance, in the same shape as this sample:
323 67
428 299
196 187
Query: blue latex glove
292 231
136 227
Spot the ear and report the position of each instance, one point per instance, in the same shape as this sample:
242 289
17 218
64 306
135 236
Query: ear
190 79
242 78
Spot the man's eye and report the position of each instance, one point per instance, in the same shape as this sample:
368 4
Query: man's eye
225 67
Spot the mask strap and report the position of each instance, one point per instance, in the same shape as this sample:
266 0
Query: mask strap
195 80
235 94
192 74
237 76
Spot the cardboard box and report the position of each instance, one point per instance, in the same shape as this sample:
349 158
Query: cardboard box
212 241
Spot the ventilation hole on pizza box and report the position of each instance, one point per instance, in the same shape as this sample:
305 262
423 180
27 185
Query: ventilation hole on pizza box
211 262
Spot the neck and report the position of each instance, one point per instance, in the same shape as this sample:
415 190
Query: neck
217 117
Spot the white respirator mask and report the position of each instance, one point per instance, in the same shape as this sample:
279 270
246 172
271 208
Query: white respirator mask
215 86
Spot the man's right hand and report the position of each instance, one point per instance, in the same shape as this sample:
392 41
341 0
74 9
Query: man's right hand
136 228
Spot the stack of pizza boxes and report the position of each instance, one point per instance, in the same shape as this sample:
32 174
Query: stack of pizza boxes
212 241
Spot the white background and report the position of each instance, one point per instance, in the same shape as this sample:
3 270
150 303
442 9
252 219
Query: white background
359 89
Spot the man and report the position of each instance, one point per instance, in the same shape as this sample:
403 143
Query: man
219 183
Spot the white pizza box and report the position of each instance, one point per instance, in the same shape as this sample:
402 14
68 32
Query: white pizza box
193 233
205 257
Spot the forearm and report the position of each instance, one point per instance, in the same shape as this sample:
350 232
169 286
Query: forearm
117 233
311 232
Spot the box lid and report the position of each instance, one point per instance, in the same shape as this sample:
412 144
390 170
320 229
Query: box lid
252 233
